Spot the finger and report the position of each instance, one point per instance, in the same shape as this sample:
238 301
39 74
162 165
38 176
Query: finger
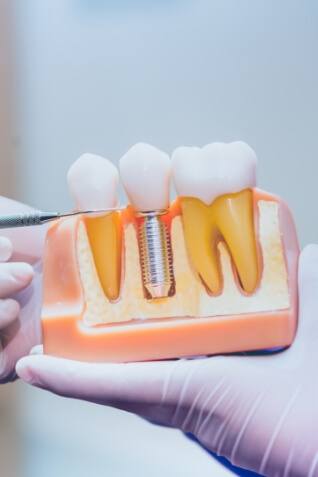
28 242
6 249
150 389
38 349
308 295
14 277
136 387
9 311
92 380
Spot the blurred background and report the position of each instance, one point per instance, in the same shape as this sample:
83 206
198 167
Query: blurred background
98 76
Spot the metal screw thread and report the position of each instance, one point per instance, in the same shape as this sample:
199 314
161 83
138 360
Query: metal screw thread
155 256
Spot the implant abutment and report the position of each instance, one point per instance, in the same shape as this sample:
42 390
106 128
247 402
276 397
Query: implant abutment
155 252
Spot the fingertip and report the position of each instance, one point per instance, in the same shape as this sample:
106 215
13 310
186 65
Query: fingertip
11 306
24 371
31 368
35 366
9 311
36 350
14 277
6 249
23 272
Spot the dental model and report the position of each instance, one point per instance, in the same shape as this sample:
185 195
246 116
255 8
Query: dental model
214 271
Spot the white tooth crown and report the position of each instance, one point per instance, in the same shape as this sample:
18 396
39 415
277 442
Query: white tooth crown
93 182
145 172
213 170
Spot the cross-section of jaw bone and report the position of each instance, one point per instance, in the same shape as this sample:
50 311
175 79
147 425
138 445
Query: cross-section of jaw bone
93 184
214 184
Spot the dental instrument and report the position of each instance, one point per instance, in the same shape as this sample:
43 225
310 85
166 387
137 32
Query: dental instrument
39 217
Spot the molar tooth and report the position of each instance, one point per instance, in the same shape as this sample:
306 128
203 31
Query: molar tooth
93 184
214 184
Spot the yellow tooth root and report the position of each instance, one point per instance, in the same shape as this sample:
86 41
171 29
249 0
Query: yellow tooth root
200 236
231 218
105 236
235 218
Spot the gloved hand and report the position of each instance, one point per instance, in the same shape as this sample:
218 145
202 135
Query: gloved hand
20 290
259 411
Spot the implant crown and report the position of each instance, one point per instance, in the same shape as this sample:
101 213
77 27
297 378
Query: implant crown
145 172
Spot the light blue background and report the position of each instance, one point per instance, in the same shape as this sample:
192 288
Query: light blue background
99 76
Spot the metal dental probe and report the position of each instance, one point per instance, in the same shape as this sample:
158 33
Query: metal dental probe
39 217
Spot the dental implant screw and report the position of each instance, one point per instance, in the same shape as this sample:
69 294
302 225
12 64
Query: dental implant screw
155 254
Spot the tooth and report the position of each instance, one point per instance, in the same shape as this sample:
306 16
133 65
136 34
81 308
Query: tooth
215 184
93 183
145 172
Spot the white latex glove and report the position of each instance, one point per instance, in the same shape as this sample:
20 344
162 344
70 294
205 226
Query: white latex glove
20 290
259 411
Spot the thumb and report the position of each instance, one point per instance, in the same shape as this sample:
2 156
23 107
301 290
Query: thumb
134 387
308 296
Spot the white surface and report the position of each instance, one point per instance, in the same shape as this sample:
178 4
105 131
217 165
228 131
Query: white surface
93 182
100 76
213 170
145 172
